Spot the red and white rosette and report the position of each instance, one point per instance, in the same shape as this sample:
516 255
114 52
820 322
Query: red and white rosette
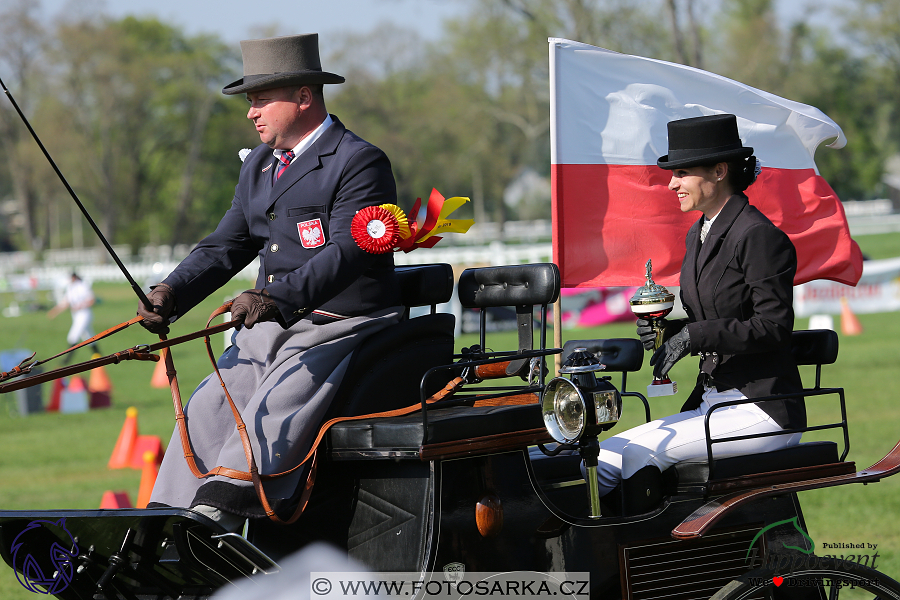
375 230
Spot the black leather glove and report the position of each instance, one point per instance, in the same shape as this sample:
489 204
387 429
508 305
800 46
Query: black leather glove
676 347
648 335
254 306
162 297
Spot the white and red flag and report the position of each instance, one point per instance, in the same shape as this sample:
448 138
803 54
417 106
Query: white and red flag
612 209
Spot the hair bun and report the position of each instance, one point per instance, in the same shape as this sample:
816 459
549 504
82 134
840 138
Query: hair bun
753 169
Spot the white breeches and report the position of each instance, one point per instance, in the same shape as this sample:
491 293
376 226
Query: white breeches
682 436
81 326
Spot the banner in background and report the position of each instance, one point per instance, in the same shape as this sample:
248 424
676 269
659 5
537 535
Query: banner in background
595 306
878 291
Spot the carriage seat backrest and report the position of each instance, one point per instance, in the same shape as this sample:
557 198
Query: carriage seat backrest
814 346
424 285
386 369
513 285
618 354
521 286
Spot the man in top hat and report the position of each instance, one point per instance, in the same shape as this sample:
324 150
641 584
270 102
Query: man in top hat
317 295
737 289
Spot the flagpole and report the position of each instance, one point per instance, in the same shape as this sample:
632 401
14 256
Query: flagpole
557 333
557 306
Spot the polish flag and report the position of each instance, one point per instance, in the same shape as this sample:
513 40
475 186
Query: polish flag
612 209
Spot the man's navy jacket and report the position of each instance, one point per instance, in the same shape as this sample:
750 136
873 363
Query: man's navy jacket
299 226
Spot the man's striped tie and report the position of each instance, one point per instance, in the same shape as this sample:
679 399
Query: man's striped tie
285 158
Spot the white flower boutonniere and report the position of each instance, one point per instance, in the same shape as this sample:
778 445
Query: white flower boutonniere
243 153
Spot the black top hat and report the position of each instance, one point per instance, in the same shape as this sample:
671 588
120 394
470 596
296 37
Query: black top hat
703 141
281 62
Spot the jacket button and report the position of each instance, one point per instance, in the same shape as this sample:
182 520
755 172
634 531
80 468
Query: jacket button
270 278
274 248
271 216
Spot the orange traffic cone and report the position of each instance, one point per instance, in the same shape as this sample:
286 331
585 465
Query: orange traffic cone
850 325
148 478
121 455
144 444
115 500
99 380
160 379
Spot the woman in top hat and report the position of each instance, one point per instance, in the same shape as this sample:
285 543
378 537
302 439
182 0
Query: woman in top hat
736 287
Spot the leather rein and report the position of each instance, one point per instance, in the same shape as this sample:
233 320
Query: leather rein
145 352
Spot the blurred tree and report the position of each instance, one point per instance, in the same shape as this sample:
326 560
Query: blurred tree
684 24
854 92
400 98
737 31
500 49
21 41
870 84
132 109
470 113
140 97
808 65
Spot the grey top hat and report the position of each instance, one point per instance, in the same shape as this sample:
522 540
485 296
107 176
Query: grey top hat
702 141
281 62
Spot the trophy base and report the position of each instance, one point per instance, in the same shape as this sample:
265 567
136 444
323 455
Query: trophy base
663 387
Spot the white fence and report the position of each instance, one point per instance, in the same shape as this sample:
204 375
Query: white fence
516 242
147 270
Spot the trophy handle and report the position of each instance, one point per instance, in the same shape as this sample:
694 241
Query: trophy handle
656 325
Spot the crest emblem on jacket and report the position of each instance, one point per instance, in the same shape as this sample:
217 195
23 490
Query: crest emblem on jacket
311 234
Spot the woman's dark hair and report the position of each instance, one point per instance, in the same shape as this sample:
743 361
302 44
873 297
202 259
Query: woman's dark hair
742 173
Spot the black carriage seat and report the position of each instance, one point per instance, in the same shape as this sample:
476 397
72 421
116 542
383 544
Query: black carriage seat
817 348
462 430
385 371
803 461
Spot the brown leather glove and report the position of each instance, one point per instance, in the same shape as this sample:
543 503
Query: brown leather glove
254 306
162 297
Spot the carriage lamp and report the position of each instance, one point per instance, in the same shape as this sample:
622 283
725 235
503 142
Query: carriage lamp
653 302
576 409
582 404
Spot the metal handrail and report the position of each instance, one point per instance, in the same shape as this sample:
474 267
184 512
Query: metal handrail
802 394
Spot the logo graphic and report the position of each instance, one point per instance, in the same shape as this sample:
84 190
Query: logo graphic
812 544
54 569
454 572
311 234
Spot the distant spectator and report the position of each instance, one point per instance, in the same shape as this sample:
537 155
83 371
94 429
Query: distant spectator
79 299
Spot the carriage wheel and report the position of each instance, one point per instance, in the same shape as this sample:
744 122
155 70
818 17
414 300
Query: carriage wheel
761 583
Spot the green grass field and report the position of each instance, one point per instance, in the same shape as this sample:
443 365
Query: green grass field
55 461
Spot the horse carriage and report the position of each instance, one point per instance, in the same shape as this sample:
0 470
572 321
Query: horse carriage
488 478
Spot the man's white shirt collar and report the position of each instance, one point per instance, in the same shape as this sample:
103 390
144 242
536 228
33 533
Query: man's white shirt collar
308 140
